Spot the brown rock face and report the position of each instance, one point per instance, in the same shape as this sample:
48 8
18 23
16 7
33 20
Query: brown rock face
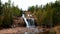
18 21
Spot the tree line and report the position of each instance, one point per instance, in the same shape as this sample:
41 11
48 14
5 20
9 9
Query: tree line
47 15
7 11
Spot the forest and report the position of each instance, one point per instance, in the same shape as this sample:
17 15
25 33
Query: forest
47 15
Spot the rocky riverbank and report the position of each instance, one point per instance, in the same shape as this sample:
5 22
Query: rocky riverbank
21 30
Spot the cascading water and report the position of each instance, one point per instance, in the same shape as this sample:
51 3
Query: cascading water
30 24
25 20
29 21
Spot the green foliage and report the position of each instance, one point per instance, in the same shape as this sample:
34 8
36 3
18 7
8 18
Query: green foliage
16 11
0 13
56 17
48 14
0 7
31 9
6 14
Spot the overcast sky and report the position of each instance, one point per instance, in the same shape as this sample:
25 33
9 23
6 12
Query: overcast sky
24 4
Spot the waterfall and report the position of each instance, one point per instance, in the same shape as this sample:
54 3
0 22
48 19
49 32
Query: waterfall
29 22
25 20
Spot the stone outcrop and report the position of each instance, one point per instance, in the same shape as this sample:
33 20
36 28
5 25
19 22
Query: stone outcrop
18 21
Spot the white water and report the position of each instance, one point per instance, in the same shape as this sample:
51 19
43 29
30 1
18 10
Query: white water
28 23
25 20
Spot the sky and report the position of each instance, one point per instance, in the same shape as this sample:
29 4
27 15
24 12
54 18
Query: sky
24 4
